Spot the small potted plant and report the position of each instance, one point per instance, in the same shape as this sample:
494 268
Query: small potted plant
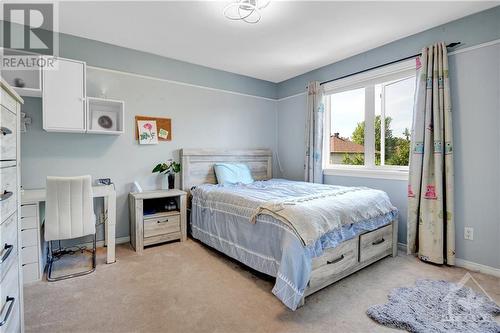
169 169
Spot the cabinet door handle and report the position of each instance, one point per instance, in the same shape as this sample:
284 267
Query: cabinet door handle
380 241
334 261
9 309
166 220
7 249
5 130
5 195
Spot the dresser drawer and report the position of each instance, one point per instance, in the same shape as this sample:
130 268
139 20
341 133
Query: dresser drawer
28 211
14 321
30 272
7 101
8 137
8 191
8 244
28 223
375 244
333 261
162 225
9 300
29 237
29 255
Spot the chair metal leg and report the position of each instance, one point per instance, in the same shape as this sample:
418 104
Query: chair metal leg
50 261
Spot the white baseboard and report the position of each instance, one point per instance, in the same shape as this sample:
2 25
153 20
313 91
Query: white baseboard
475 267
469 265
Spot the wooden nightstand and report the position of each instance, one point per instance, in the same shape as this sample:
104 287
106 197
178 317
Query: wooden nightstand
151 223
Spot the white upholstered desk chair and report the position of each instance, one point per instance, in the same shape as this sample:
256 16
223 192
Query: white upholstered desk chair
69 213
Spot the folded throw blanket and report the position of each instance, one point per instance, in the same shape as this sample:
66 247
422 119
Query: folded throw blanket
312 216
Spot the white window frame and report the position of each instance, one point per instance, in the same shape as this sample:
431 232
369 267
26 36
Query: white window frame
366 80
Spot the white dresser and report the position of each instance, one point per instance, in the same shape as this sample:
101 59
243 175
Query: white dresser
11 293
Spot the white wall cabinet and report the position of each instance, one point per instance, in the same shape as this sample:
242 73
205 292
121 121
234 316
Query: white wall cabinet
26 82
64 105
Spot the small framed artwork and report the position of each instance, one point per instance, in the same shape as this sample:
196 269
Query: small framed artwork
148 134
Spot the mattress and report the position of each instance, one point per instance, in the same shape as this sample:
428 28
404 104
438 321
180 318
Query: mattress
220 218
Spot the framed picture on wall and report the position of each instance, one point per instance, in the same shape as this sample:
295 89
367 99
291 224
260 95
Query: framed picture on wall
148 134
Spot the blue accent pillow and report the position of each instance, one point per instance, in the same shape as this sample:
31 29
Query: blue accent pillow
233 173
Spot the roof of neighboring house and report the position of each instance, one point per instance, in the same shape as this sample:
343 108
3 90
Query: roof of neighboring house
344 145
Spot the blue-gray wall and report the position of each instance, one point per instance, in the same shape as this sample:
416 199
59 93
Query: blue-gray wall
475 86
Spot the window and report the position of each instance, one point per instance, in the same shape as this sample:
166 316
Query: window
357 106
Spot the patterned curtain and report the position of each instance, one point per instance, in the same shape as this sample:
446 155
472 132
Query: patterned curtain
431 227
314 133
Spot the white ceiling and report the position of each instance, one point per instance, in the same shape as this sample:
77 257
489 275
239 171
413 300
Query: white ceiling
292 38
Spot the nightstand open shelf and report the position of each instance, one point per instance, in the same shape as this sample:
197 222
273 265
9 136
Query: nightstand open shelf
151 222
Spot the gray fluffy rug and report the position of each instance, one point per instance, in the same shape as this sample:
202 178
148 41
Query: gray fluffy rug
437 306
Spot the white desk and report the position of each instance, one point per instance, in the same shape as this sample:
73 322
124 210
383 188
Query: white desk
106 192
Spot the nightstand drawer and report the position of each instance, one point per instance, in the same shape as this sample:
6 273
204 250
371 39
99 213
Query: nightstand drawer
162 225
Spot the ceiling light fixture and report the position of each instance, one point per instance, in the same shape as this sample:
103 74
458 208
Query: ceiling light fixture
245 10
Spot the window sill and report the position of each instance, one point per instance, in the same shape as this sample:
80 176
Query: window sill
396 174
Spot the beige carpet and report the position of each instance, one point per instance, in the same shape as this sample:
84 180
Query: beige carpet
186 287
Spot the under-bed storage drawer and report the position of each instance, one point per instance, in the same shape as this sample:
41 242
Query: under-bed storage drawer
334 261
375 244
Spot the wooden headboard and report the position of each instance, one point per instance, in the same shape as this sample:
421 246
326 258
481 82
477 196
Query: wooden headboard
198 164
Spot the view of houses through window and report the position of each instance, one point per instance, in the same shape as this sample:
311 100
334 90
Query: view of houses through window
393 106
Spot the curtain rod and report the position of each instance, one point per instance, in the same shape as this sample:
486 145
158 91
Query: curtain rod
454 44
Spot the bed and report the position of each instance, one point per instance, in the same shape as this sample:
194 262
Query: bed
220 217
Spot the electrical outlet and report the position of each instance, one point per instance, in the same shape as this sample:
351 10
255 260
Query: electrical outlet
469 233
